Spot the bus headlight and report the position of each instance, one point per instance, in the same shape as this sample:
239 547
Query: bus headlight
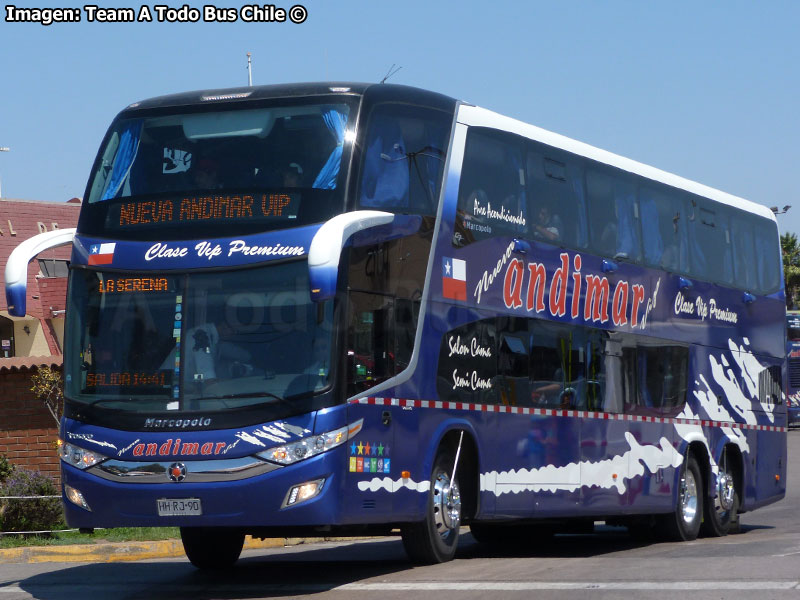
78 457
311 446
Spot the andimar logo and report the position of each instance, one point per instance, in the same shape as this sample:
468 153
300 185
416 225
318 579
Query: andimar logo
177 472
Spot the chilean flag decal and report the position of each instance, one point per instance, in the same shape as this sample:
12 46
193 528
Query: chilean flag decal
454 278
101 254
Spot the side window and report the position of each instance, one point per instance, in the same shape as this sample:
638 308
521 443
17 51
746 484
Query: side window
371 356
556 197
769 385
491 196
513 359
598 363
710 241
656 379
467 369
769 265
664 240
574 367
744 271
613 215
403 158
558 365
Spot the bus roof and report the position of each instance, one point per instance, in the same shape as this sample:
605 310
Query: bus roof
469 114
476 116
293 90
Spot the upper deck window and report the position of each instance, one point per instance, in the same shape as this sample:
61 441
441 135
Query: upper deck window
492 199
403 156
194 174
613 214
664 229
515 187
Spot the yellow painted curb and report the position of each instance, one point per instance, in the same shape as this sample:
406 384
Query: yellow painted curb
107 552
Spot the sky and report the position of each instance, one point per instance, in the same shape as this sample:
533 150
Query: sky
705 90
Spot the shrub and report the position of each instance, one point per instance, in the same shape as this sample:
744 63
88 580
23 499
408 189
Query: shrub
30 515
6 468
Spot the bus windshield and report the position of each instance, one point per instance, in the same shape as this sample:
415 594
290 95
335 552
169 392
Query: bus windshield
195 174
198 341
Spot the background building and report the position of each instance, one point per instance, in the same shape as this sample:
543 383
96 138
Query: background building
27 430
41 331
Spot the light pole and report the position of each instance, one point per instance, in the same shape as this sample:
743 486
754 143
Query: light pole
774 209
3 149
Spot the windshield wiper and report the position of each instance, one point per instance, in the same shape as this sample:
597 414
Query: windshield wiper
102 400
245 395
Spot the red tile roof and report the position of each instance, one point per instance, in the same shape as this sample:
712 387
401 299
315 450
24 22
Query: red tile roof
29 363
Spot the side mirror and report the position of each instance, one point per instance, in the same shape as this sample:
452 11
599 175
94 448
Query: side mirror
326 246
17 265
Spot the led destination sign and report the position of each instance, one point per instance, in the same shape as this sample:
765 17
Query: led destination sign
212 208
123 285
126 379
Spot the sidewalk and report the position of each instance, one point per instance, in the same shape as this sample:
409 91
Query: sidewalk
104 552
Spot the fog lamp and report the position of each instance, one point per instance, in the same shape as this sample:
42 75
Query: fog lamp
76 497
304 491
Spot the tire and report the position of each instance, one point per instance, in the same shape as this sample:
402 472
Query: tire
210 548
435 539
683 525
721 513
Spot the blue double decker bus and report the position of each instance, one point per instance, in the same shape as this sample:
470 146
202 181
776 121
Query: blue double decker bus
350 309
793 366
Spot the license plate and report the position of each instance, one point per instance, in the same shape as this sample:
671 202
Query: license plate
178 507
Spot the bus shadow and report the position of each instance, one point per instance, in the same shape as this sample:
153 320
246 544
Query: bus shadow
292 571
300 570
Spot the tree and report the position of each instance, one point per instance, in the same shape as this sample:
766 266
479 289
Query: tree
790 248
48 386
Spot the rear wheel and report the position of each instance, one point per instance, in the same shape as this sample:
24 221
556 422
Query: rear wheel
684 523
212 547
722 512
434 540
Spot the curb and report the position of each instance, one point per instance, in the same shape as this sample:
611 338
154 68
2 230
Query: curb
108 552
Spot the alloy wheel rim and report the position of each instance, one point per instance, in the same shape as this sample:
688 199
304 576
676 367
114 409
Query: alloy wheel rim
725 492
446 505
689 498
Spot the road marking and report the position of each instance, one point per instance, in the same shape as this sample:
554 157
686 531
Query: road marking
511 586
505 586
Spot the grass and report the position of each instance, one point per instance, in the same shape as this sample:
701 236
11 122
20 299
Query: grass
120 534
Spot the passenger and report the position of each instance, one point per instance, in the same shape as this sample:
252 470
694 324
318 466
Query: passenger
205 174
211 354
293 175
548 227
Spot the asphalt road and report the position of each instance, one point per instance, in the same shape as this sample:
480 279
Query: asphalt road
763 561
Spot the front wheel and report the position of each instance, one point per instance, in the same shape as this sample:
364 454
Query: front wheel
434 539
212 547
684 523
